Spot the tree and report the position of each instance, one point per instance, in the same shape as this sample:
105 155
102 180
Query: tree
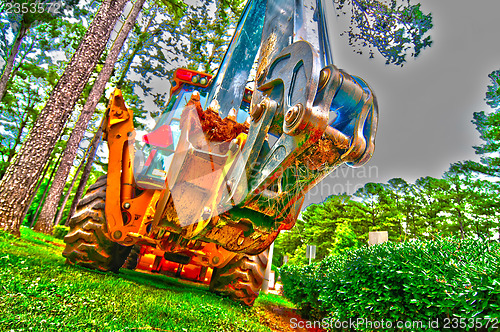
403 205
208 33
287 242
22 174
317 226
12 56
25 19
371 211
473 202
35 73
484 206
45 221
433 199
196 40
393 29
345 239
488 126
85 173
460 196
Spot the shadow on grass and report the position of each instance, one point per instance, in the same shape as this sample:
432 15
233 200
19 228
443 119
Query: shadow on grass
161 281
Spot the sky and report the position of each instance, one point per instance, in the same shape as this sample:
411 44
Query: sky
425 107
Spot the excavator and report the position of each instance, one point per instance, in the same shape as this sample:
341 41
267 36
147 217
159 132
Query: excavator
226 168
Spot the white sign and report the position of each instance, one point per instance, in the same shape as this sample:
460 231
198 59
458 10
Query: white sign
311 251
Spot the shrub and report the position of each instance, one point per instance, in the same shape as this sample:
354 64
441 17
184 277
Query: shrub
409 281
60 231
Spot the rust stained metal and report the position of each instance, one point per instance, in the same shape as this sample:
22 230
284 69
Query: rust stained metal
265 53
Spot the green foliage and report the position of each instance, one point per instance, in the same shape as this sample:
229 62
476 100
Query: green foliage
60 231
316 226
298 256
488 124
196 39
374 212
394 28
413 280
460 204
345 239
41 292
36 71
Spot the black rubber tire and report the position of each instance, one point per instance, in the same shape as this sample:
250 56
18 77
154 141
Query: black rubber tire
133 258
86 244
241 279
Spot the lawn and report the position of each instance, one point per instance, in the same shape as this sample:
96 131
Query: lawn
39 292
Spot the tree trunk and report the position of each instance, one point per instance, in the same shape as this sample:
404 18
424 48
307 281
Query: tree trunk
40 180
86 173
462 232
97 137
12 57
22 174
136 48
39 183
17 139
56 190
42 199
66 197
68 193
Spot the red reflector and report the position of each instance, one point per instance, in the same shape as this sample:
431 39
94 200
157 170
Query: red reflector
161 137
184 75
150 158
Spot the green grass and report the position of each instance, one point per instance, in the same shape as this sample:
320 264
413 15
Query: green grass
39 292
273 300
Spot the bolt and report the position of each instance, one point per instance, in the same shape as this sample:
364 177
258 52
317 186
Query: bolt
119 112
126 205
215 260
128 239
206 213
233 146
117 234
258 110
292 114
324 75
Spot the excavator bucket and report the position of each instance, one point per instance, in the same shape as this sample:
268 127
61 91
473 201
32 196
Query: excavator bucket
304 119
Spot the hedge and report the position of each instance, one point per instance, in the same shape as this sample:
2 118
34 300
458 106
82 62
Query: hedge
442 279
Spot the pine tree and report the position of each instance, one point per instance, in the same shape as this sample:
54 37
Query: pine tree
48 213
20 179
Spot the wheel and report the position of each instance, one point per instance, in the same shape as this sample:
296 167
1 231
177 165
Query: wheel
86 244
241 279
133 258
